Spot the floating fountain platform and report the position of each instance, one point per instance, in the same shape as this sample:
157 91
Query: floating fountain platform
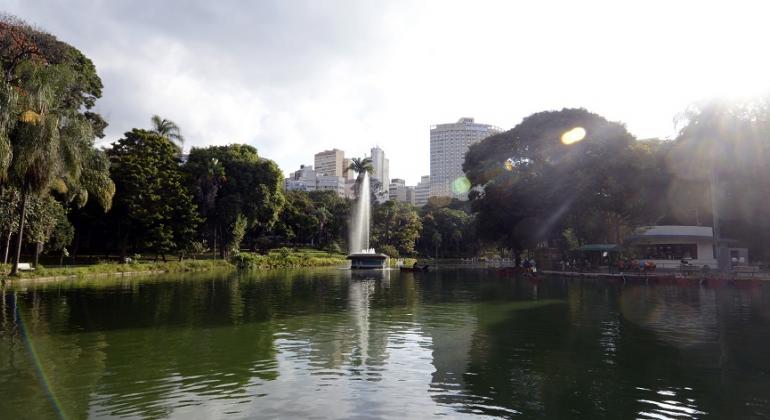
368 261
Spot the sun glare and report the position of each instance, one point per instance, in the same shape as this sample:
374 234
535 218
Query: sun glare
573 136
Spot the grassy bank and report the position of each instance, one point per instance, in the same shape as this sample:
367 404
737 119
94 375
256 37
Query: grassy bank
115 268
277 258
408 262
288 258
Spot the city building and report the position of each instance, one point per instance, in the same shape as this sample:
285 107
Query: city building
307 179
410 195
422 191
448 145
330 162
380 164
668 246
303 180
332 183
397 190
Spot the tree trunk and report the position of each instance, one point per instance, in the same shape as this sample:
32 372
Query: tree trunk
38 248
20 239
7 246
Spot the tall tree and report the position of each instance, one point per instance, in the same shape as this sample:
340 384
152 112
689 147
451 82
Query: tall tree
537 180
230 182
361 166
153 211
46 130
397 225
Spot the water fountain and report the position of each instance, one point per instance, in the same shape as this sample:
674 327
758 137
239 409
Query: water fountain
360 255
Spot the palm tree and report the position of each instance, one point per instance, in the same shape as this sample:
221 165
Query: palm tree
168 129
361 166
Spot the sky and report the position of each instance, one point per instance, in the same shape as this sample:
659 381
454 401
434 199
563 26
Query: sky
295 77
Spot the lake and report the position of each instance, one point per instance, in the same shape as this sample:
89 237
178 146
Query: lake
330 343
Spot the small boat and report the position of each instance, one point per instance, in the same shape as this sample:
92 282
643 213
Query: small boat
414 268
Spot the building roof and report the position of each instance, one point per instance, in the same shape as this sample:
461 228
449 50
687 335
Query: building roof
672 232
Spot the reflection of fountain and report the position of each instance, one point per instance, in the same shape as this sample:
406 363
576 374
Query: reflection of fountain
360 294
361 256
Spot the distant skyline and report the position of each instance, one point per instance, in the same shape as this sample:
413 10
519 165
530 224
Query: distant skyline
294 78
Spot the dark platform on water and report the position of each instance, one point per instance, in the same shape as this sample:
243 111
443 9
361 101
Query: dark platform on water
367 261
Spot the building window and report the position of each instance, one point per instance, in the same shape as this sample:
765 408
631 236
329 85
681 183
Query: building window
669 251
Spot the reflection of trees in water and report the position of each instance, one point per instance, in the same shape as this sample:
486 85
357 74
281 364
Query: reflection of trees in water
70 365
147 348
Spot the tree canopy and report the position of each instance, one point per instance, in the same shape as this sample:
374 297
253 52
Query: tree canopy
232 182
153 210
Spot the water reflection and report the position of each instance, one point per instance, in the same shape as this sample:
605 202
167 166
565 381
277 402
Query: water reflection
336 343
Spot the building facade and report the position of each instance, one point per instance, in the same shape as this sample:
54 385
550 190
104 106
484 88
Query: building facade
380 164
303 180
307 179
668 246
410 195
330 162
331 183
422 191
448 145
397 190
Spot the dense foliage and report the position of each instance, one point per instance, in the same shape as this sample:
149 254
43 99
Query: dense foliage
47 130
237 191
152 209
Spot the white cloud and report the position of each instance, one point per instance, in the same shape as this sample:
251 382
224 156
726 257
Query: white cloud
297 77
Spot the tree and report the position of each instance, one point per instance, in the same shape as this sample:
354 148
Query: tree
232 181
168 129
153 210
720 156
535 183
396 224
453 227
361 166
9 204
45 214
46 130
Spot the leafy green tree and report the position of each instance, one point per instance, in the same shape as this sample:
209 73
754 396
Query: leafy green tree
46 130
396 224
232 181
535 184
44 214
316 218
153 210
9 204
455 228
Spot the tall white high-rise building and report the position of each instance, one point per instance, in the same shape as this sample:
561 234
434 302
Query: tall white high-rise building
380 164
381 174
448 145
422 191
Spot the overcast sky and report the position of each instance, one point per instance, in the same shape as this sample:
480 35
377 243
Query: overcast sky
296 77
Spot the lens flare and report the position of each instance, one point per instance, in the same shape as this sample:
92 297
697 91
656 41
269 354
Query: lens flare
461 185
508 164
573 136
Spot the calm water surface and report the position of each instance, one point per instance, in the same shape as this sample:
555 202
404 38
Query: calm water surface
332 343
